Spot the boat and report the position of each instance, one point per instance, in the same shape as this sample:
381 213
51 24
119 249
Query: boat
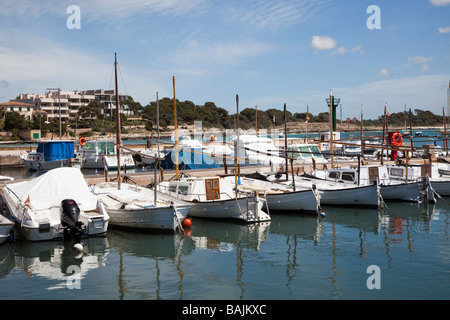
51 154
392 181
6 178
337 194
214 197
219 153
135 207
101 153
6 226
146 157
305 153
280 197
437 175
188 159
55 205
255 150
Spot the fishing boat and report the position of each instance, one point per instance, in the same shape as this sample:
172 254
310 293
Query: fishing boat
280 197
392 181
6 226
136 208
55 205
336 194
51 154
305 153
215 198
256 150
101 153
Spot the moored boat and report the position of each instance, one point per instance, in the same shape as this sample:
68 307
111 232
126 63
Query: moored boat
280 197
134 207
55 205
101 153
51 154
215 198
6 226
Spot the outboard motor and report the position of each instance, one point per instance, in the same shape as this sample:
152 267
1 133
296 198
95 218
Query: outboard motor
69 218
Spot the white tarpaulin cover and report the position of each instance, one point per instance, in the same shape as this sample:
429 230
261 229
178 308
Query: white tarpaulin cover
54 186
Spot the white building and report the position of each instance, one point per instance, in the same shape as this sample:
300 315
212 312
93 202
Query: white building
68 103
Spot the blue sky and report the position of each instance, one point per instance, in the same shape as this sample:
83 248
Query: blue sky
268 52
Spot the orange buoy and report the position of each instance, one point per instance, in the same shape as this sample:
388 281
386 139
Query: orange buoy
82 141
186 223
397 139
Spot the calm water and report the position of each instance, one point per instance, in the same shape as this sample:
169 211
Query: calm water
294 257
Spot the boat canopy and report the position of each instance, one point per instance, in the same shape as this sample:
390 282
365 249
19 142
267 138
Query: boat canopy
188 159
56 149
49 189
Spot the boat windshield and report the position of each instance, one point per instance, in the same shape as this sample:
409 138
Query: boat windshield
106 148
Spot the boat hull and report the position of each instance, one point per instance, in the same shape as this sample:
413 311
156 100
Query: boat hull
45 229
401 192
442 187
158 218
248 209
301 201
365 196
6 227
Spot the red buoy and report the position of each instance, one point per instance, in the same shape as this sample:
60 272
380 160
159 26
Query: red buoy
186 223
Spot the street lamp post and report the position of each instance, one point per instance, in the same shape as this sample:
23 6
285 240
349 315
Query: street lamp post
59 103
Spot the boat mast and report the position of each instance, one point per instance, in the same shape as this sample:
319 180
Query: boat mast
157 155
331 130
117 123
236 149
175 128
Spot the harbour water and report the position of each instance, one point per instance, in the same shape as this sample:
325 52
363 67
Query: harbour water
293 257
399 253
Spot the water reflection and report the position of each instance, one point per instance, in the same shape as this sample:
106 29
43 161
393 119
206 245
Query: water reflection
307 257
53 260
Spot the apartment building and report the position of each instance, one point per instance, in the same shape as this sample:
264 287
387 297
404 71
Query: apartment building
52 104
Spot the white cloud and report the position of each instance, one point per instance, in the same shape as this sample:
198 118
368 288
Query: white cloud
424 68
444 30
440 2
323 43
358 48
419 60
384 72
194 52
340 50
272 14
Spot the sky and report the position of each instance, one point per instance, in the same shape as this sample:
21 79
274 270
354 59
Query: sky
269 53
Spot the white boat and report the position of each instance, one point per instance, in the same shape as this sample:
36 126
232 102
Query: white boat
305 153
392 181
216 151
438 177
6 178
215 198
134 207
98 153
280 197
147 157
337 194
6 226
54 205
51 154
257 150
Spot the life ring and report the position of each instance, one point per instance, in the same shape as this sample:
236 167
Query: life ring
397 139
82 141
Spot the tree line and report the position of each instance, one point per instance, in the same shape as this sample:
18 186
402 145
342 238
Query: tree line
93 116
